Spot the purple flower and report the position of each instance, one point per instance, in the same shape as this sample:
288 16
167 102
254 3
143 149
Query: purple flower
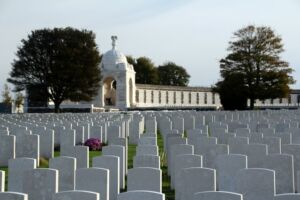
94 144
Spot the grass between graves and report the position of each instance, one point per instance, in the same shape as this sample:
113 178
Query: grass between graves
166 180
166 188
131 154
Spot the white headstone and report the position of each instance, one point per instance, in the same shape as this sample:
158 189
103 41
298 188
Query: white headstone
16 170
227 166
28 146
7 148
2 181
175 150
147 141
67 139
218 195
144 178
81 153
136 129
293 149
210 152
122 142
13 196
112 163
76 195
236 144
151 126
93 179
96 132
178 124
195 179
291 196
256 154
147 150
80 134
146 161
113 131
40 183
117 150
66 167
185 161
255 184
141 194
47 144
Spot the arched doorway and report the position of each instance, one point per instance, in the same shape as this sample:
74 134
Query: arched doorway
109 91
130 92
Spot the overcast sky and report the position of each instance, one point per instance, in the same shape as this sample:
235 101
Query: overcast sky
191 33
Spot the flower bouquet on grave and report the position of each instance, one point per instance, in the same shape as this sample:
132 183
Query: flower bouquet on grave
94 144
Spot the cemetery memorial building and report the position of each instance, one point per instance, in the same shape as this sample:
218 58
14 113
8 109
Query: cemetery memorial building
119 91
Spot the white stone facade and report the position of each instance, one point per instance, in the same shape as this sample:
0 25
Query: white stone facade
119 91
118 81
156 96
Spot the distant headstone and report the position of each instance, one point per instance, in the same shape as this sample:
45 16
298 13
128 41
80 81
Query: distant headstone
76 195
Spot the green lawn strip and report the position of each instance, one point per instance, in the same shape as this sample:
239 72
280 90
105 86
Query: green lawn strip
92 155
56 153
131 154
166 188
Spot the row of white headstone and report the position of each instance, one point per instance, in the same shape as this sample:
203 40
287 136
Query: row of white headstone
260 141
228 162
107 169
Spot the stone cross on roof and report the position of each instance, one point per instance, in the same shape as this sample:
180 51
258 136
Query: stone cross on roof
114 39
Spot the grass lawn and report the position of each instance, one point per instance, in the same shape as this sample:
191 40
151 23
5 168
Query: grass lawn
131 154
92 155
166 180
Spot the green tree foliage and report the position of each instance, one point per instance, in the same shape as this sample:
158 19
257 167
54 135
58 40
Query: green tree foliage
254 54
62 61
37 96
146 72
19 100
166 74
232 99
130 60
172 74
6 96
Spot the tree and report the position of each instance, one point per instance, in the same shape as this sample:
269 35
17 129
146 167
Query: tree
232 99
37 96
146 72
172 74
131 60
19 100
62 61
6 96
254 54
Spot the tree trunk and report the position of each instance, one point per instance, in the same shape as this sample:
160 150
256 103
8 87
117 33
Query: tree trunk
252 103
56 107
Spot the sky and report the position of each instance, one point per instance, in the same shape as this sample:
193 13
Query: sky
192 33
